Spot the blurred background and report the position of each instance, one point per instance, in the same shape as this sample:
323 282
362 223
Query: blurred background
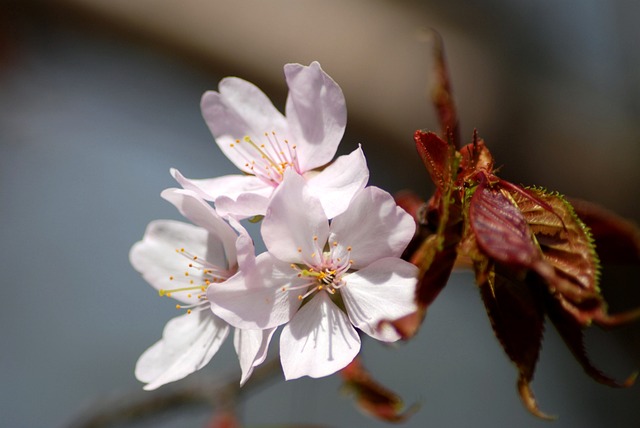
99 98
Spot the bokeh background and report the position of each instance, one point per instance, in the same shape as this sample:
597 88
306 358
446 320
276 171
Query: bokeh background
99 98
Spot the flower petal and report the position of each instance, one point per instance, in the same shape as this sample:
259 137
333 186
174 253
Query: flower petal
251 347
155 257
254 299
231 186
240 109
318 341
316 113
188 343
221 249
336 185
373 226
245 206
293 219
384 290
245 250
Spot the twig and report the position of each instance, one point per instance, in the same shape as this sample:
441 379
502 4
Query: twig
136 405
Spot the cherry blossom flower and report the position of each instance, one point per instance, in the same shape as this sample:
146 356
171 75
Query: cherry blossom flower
181 261
323 278
263 143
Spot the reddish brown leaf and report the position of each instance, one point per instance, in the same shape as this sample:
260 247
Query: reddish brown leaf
435 270
572 334
372 397
565 241
502 233
517 319
475 157
435 154
567 245
500 230
441 93
617 239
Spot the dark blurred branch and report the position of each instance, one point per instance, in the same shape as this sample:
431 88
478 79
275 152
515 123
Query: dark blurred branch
219 394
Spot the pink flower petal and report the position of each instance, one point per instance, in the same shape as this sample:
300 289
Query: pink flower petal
254 300
188 343
231 186
245 206
373 226
155 257
293 219
318 341
251 347
316 112
384 290
336 185
223 237
240 109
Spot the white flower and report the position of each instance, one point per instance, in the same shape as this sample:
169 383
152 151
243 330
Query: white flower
315 270
181 261
263 143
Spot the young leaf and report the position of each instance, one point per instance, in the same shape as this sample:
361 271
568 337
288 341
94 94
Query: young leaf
372 397
567 245
517 319
617 239
500 230
565 241
573 335
441 93
436 156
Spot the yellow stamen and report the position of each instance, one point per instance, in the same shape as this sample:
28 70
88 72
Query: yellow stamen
163 292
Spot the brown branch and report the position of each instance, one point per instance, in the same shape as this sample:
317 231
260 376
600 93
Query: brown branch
135 405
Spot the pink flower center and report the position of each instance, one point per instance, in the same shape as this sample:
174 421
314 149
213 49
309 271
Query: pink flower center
322 270
268 158
198 275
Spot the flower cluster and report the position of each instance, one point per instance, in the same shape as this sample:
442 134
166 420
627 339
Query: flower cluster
332 265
